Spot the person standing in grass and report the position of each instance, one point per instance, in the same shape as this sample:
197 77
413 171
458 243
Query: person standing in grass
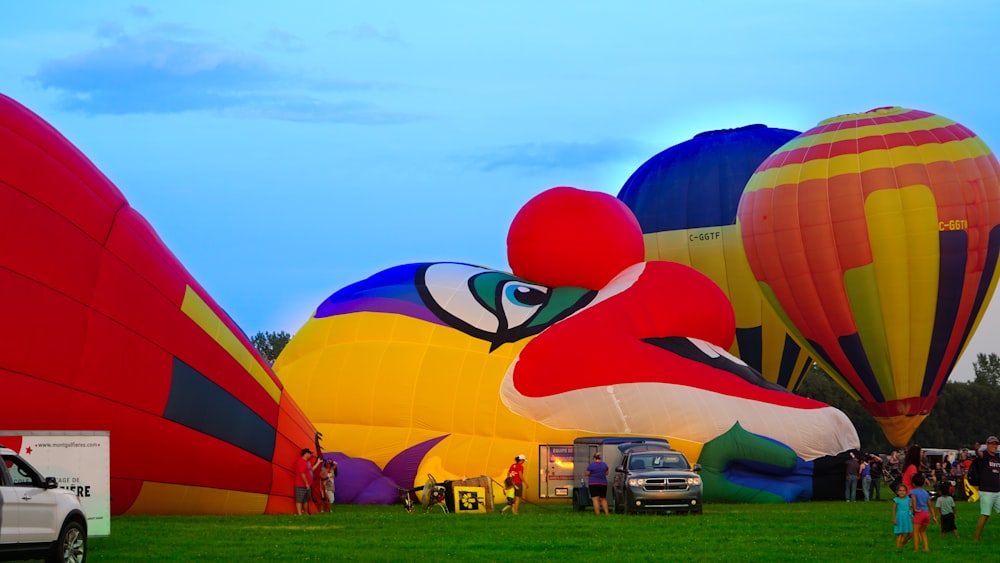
516 474
986 472
323 485
911 465
318 487
920 505
945 506
876 466
851 471
866 478
303 481
902 518
508 491
597 480
330 483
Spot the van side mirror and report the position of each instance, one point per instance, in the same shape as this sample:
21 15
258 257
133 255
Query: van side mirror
50 483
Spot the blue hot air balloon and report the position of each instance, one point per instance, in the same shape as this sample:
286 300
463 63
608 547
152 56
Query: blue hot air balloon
686 199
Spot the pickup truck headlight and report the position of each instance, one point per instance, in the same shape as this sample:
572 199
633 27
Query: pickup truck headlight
636 482
694 481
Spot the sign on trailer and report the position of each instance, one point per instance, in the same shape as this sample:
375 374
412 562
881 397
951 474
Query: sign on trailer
80 461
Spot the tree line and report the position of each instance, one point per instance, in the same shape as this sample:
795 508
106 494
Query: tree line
270 344
965 412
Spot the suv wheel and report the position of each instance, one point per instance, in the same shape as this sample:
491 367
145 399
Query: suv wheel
627 503
71 546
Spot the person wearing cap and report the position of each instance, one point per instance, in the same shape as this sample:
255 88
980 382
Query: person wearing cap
987 467
597 480
516 474
303 481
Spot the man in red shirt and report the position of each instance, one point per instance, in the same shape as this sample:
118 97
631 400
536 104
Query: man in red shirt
516 474
303 480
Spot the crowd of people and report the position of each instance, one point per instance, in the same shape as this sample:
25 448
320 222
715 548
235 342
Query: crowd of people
903 464
973 475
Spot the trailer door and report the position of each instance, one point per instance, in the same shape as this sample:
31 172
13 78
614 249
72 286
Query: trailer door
557 477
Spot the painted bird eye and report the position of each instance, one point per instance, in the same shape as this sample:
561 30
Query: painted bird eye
495 306
521 301
525 295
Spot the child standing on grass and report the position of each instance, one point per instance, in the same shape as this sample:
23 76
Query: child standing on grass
508 491
946 509
902 518
919 504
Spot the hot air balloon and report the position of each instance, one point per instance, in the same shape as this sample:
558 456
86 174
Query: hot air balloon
685 199
453 369
875 235
104 329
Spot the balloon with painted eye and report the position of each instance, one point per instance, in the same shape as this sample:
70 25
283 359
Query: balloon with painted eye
685 199
876 234
452 369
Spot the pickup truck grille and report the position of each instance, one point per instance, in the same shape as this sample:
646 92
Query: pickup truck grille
666 484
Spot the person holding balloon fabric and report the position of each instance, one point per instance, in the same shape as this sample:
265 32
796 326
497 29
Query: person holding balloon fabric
987 469
318 487
330 467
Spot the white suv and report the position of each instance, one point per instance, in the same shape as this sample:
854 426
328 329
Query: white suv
37 519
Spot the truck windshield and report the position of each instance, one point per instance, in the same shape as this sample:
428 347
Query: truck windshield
658 461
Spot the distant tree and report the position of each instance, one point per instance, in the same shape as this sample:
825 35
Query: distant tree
270 344
962 416
987 369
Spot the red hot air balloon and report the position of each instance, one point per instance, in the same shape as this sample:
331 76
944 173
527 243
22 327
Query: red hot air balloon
104 329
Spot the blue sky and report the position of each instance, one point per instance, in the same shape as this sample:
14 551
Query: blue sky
283 150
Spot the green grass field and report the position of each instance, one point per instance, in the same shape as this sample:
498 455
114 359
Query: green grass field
811 531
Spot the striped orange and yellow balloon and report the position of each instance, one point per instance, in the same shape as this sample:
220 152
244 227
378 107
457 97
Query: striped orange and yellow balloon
876 236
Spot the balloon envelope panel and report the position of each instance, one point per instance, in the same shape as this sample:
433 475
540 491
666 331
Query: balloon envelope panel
876 234
685 199
105 330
